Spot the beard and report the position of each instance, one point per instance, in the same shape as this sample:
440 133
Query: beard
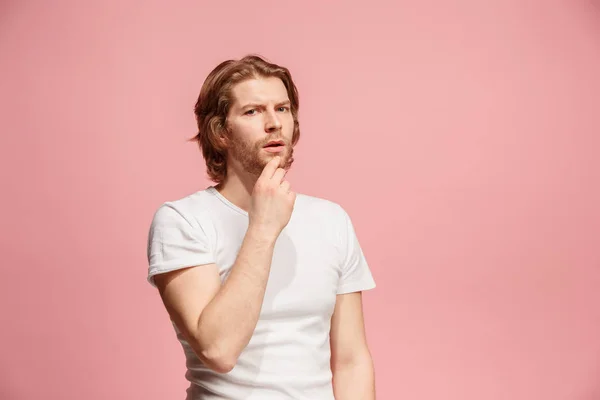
253 158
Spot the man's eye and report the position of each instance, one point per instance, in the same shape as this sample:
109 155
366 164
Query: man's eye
250 112
283 109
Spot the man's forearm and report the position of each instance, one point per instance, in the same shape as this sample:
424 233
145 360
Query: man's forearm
354 380
228 321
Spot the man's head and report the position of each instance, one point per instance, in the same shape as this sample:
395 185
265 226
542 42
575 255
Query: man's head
247 113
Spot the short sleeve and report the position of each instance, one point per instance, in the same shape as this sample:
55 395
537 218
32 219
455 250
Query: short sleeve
356 275
174 243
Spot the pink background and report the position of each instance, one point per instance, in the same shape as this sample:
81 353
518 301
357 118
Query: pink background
460 136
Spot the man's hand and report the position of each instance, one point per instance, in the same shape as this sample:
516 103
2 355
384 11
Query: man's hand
272 201
218 320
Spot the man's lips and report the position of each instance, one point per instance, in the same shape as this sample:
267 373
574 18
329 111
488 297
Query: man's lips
275 143
275 146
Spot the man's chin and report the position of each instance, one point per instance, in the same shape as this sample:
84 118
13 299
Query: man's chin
269 156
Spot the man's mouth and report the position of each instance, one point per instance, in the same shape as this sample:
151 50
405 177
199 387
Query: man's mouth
275 143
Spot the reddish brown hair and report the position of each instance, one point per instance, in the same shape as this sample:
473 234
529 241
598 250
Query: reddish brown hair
212 106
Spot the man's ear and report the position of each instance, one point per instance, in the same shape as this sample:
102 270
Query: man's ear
223 138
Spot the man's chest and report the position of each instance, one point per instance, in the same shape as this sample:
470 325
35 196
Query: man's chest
304 274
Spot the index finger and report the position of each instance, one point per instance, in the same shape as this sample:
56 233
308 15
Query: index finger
270 168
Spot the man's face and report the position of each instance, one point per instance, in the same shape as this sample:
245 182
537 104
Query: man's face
259 116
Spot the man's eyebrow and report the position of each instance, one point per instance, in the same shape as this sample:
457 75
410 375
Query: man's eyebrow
258 105
251 105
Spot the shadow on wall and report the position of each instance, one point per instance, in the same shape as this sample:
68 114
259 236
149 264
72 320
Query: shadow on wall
595 6
6 390
6 9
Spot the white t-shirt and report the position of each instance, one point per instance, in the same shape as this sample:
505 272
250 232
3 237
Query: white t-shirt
316 257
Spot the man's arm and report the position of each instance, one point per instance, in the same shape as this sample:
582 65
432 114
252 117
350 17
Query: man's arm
219 320
351 362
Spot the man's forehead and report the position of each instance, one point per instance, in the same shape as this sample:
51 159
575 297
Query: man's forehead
260 90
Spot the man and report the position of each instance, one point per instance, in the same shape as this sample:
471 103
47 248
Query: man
262 285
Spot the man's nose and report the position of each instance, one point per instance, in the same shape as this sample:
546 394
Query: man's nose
272 124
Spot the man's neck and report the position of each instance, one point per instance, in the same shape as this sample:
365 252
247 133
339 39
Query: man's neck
237 188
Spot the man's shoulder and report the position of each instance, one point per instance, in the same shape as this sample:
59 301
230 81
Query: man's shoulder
186 207
318 205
